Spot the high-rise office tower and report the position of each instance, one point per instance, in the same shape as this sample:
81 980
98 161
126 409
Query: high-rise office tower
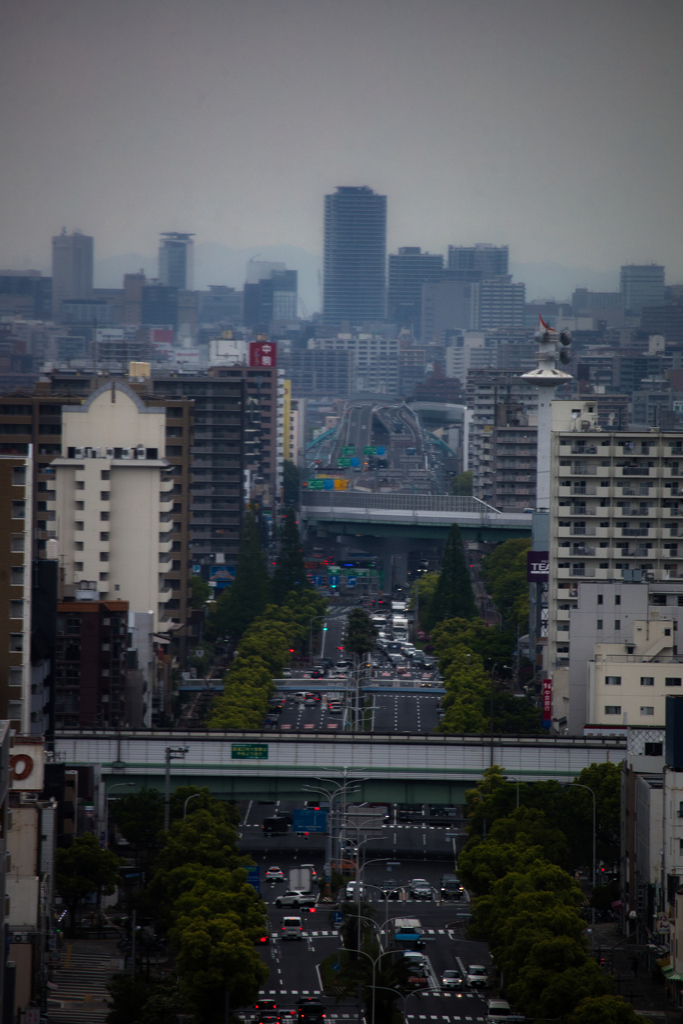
642 285
72 268
355 255
270 294
477 262
409 269
176 259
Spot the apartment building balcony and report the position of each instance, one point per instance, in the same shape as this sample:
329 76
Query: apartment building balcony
579 551
563 614
588 449
633 470
636 531
579 530
580 510
583 489
670 450
635 510
570 571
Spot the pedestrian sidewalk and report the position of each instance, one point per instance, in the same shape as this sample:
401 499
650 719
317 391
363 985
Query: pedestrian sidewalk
78 990
626 964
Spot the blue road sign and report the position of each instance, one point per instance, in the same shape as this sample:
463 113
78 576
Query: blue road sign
334 581
328 485
317 580
309 821
355 461
381 450
254 878
337 918
350 581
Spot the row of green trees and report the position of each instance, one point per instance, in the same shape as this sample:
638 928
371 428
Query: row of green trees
504 574
271 617
527 905
199 897
470 655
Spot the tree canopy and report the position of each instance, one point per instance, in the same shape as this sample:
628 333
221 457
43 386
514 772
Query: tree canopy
82 869
290 572
247 597
504 573
453 595
360 633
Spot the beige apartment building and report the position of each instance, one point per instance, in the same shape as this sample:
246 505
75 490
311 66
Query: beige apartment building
114 501
616 514
629 682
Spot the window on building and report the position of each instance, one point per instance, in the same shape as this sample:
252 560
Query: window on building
658 599
599 623
18 510
647 711
16 609
19 476
79 546
612 680
599 598
78 525
105 495
78 566
16 643
105 474
17 576
104 517
104 556
80 485
617 598
104 576
647 680
104 536
613 709
653 749
672 681
617 624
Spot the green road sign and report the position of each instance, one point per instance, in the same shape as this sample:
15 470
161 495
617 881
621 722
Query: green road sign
369 450
349 449
249 752
315 485
343 463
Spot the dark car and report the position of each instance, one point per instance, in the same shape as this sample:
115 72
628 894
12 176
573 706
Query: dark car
451 888
310 1010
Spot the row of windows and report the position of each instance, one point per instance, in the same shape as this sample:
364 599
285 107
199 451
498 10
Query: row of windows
644 681
615 709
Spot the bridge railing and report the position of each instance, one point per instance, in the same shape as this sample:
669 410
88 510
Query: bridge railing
398 501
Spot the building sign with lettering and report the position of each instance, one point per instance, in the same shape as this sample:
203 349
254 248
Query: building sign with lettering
537 566
547 703
262 353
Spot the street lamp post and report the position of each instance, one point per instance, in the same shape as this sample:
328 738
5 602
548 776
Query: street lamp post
310 634
192 797
171 753
581 786
106 807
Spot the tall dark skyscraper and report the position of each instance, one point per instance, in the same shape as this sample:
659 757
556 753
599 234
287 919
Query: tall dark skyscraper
72 268
176 251
408 271
355 255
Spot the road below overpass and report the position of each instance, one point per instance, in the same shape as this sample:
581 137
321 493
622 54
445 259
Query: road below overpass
401 768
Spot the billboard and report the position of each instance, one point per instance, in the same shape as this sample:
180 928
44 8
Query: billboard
222 575
547 703
262 353
537 566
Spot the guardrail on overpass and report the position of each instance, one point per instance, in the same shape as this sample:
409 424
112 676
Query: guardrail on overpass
397 767
413 510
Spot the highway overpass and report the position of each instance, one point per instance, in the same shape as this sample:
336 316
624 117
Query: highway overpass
415 768
412 516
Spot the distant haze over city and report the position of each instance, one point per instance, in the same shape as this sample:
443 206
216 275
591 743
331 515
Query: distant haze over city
546 126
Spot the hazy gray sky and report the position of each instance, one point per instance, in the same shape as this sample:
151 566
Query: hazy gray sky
552 125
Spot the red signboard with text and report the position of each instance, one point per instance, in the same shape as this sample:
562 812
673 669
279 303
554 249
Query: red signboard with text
547 697
262 353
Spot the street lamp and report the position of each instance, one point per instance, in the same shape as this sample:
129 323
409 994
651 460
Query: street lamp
310 635
170 754
581 786
192 797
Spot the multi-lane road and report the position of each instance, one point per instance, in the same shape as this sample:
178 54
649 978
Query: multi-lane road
294 965
384 712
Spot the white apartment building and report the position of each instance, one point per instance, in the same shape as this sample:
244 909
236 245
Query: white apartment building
113 502
374 361
487 389
615 510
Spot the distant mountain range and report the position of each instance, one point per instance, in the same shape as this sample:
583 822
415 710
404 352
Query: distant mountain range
220 264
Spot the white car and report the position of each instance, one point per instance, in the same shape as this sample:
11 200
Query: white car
477 976
351 891
296 898
497 1010
275 874
451 980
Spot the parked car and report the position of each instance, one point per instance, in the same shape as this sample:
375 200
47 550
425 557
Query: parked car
296 898
275 874
477 976
451 980
420 889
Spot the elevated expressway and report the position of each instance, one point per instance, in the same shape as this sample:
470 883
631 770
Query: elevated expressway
415 768
412 516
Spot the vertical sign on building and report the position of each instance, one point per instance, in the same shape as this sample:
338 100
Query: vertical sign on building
262 353
547 695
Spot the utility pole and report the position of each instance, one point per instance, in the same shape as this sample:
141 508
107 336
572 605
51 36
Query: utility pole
171 753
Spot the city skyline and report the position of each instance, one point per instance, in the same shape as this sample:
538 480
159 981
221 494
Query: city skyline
575 163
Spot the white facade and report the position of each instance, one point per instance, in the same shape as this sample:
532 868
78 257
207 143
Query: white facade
615 507
374 360
672 827
113 504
